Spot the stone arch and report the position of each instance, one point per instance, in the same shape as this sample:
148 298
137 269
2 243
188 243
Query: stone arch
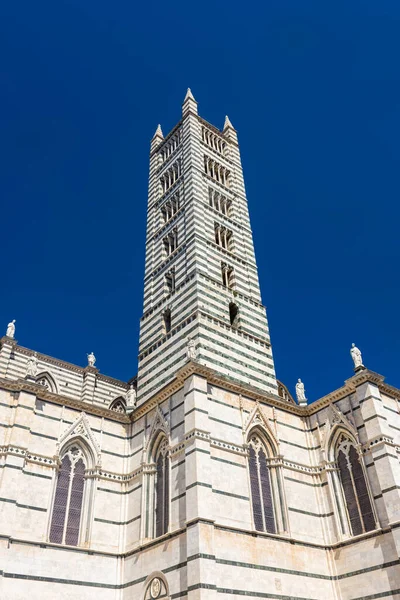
118 405
161 588
349 483
48 381
80 431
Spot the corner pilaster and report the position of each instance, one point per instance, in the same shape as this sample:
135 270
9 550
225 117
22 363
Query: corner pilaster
199 497
385 472
89 384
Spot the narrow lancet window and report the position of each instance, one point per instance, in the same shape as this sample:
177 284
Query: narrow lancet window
260 485
233 314
162 490
358 503
170 281
167 320
67 507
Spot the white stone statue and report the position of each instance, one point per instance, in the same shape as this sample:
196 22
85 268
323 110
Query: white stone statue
32 366
191 349
300 392
11 329
91 359
356 356
131 397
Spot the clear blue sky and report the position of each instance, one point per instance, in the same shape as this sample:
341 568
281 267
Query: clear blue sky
313 89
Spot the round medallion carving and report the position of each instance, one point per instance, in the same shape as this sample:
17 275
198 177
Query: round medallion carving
155 588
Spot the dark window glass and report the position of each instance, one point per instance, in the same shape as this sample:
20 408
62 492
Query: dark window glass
159 495
75 504
362 492
60 502
167 321
266 493
166 494
348 490
233 313
255 491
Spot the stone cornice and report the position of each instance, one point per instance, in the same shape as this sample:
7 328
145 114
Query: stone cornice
24 385
350 385
63 364
248 391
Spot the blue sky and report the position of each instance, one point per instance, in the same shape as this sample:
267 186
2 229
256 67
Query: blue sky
313 90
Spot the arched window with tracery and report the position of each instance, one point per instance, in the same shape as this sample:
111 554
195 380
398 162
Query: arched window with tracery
358 505
118 405
261 487
68 499
161 489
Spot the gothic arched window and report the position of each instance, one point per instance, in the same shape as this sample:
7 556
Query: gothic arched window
68 499
355 491
261 487
118 405
161 489
47 381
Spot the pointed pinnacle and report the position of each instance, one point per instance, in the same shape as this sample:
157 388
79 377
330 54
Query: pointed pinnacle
158 132
189 95
227 123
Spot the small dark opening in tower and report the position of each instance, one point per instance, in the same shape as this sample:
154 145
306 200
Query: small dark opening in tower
233 313
167 320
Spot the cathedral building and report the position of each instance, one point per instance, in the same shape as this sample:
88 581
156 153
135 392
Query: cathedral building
201 478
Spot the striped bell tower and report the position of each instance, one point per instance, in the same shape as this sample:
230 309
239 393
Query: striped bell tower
201 282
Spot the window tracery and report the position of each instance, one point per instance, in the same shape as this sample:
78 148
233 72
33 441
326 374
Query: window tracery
171 145
217 171
170 208
354 486
212 140
68 499
118 405
46 380
261 487
170 242
170 176
219 202
223 237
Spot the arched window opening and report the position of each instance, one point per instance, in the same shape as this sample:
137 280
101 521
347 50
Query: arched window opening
118 405
358 504
46 380
261 490
161 490
156 587
233 314
170 281
67 507
167 320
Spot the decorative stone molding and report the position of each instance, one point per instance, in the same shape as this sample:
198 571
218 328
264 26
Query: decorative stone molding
335 420
81 429
159 424
231 447
258 420
24 385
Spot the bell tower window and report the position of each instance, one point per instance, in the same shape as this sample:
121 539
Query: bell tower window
167 320
233 314
170 281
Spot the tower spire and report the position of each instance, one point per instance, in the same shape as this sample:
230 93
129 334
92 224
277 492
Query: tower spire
158 132
228 123
157 138
229 131
189 103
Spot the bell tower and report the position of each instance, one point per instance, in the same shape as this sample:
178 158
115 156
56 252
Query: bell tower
201 282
